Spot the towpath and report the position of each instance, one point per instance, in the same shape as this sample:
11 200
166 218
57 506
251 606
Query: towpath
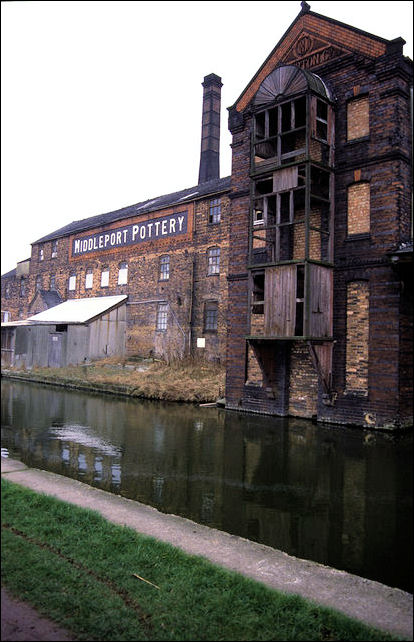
386 608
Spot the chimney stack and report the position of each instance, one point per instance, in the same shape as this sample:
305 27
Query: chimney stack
210 130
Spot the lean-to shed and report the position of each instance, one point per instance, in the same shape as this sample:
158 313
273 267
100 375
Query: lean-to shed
74 332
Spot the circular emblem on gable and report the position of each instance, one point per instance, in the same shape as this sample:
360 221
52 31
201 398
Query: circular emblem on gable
303 45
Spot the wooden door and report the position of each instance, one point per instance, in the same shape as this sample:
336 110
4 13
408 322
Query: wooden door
280 301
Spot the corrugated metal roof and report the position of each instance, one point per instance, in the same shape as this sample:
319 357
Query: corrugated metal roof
150 205
78 310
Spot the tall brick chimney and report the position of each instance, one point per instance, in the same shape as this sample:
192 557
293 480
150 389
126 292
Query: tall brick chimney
210 129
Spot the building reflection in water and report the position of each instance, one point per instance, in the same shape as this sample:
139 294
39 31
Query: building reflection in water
339 496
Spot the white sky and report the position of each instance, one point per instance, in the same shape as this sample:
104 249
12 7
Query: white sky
101 101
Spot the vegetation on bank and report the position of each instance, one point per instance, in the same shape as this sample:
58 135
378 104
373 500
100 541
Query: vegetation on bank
190 380
107 582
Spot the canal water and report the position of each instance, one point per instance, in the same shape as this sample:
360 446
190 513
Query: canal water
338 496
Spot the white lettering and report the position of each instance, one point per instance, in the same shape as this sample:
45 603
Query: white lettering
101 241
172 225
90 244
125 235
95 240
157 224
164 228
85 245
113 237
106 239
142 232
180 222
77 248
119 238
135 229
150 226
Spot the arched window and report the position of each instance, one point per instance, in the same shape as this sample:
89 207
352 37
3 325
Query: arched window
213 260
123 273
105 277
88 279
72 282
164 268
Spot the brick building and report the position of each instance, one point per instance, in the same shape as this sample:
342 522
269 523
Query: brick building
320 307
298 262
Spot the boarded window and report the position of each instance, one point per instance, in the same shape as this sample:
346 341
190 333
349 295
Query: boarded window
72 282
123 273
358 208
7 291
210 316
164 268
54 249
22 287
88 279
213 260
357 336
358 118
162 314
105 277
52 283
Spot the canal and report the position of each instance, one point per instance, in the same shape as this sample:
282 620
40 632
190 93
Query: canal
338 496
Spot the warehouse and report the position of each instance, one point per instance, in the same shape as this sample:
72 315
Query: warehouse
293 270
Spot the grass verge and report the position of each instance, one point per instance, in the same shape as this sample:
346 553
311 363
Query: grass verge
78 569
189 380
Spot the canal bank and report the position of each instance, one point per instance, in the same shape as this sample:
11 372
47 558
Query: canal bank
373 603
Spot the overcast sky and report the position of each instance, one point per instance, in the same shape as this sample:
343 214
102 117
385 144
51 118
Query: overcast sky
101 101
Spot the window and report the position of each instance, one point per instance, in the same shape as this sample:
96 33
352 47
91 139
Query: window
5 317
358 208
213 260
52 282
210 316
215 211
123 273
22 287
41 254
72 282
105 277
162 313
38 282
7 291
54 249
358 118
88 279
164 268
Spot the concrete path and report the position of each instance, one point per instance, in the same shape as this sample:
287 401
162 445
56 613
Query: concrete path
373 603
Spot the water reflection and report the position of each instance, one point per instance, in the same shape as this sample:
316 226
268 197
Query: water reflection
338 496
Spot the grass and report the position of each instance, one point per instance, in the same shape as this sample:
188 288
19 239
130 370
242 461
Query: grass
77 568
188 380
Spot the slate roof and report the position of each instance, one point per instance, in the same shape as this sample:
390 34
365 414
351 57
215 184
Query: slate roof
50 297
10 274
150 205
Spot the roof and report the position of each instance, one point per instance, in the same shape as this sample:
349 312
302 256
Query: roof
78 310
329 31
50 297
12 273
150 205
